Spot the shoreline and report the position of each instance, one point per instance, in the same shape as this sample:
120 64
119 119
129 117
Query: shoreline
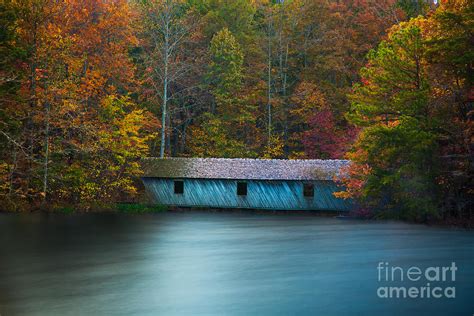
147 209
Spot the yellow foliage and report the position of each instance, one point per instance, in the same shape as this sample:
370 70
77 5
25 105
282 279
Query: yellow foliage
274 148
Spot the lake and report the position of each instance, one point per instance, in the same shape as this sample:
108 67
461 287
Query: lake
204 263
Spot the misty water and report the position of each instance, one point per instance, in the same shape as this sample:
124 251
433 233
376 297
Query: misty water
198 263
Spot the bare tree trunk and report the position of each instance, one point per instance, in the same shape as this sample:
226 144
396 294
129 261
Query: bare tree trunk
280 48
285 80
12 170
167 28
46 153
33 102
165 87
163 115
184 136
169 134
269 79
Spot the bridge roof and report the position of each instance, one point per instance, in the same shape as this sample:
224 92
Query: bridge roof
243 169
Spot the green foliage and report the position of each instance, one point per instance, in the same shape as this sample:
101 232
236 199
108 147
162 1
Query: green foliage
398 143
131 208
225 70
403 169
394 82
223 132
237 16
449 39
243 78
414 8
65 210
211 140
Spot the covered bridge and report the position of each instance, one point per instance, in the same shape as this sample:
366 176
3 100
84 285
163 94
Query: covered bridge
273 184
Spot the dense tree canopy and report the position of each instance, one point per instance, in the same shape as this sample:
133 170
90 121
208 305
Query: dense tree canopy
88 87
414 105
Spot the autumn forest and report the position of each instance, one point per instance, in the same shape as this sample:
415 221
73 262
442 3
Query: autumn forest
89 87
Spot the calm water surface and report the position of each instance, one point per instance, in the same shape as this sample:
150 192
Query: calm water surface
220 264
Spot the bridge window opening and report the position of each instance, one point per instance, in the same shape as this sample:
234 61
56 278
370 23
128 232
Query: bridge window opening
178 187
308 189
242 188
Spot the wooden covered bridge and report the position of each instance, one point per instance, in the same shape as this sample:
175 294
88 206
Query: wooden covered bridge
273 184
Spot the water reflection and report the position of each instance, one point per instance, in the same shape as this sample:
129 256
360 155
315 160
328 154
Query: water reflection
205 263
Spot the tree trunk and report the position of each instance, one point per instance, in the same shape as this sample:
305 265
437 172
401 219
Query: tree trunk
12 170
46 153
163 116
269 80
165 91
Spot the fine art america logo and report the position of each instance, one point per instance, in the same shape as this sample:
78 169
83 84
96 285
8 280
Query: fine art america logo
416 282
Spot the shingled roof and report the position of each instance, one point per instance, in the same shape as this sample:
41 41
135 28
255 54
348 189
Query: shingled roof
242 169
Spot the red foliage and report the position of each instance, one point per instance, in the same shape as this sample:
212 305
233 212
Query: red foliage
325 139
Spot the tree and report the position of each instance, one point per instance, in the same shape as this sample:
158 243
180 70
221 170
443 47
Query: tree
224 129
448 36
166 27
394 83
316 133
210 139
398 143
325 139
78 136
414 153
274 148
236 16
414 8
26 112
225 70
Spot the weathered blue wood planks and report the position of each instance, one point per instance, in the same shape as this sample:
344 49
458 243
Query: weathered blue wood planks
261 194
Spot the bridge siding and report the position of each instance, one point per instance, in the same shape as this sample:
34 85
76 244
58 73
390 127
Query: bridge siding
261 194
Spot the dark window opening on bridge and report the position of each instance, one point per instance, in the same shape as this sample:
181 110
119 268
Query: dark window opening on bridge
179 187
242 188
308 189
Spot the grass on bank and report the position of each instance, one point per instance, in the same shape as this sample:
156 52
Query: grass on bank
126 208
138 208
